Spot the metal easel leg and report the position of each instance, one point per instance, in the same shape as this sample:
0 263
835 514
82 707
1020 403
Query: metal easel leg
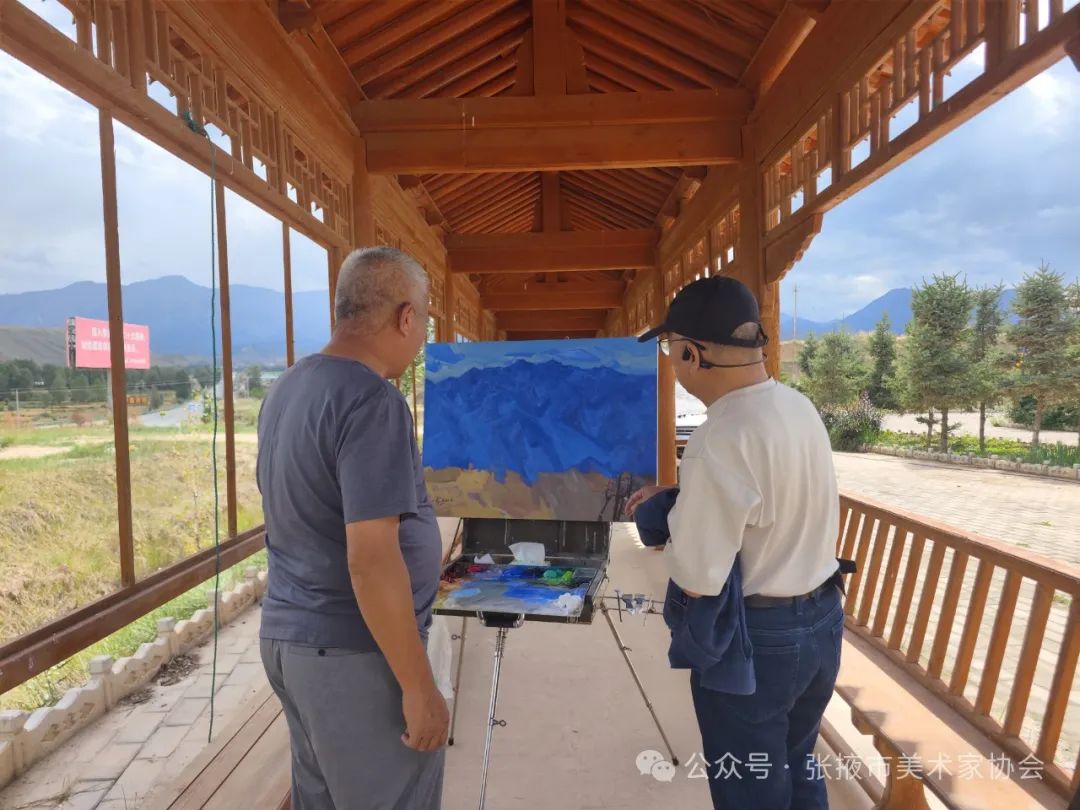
641 688
500 645
457 680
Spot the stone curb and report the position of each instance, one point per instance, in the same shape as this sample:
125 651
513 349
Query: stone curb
1045 469
26 737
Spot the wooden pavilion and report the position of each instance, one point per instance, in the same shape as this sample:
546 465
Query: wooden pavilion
561 168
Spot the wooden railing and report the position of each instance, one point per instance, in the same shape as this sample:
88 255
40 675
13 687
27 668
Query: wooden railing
946 604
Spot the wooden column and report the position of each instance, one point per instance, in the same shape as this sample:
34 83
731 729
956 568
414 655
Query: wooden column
362 204
333 264
226 358
446 325
117 373
667 459
286 254
751 250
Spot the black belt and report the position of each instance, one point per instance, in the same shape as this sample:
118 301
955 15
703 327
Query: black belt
757 600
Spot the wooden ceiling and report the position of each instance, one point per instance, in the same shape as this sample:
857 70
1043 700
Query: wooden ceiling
428 49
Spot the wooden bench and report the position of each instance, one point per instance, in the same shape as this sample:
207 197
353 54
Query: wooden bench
915 731
247 766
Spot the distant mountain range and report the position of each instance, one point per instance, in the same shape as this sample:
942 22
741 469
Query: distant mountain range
895 302
178 313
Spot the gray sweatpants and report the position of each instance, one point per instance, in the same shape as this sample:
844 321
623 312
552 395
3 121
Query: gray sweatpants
345 725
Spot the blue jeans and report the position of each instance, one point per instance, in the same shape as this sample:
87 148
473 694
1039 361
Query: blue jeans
760 747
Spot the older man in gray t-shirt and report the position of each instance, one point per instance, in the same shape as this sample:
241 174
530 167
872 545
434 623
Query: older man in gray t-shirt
354 554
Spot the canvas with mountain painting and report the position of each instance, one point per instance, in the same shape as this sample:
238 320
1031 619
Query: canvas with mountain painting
544 429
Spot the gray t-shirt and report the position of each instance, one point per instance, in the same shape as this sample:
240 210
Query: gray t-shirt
336 446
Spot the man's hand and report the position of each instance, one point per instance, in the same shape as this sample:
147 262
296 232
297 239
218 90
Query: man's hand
427 720
641 496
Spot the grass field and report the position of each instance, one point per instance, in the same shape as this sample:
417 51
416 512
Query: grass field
58 524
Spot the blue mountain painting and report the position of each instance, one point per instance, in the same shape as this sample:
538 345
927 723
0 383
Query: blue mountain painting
541 409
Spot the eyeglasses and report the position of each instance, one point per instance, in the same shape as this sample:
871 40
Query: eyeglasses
665 344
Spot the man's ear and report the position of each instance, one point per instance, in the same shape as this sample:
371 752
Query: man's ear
405 317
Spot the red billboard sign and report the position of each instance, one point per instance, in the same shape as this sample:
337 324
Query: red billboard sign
88 344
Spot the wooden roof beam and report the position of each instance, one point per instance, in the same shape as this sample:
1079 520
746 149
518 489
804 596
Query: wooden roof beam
565 251
572 333
470 81
549 297
554 148
551 321
784 38
583 110
684 188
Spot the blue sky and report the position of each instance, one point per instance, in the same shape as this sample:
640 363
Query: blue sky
990 201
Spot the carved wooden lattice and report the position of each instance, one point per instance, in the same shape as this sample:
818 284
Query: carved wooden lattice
725 240
856 125
209 91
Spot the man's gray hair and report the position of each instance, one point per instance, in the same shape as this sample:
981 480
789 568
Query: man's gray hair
372 283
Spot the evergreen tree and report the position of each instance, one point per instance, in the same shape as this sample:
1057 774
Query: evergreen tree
255 382
1073 384
986 363
935 368
806 354
837 372
1042 339
883 360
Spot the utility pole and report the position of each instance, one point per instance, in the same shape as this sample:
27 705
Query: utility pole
16 406
795 312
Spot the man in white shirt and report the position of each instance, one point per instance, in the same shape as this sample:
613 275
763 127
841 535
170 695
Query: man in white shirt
756 482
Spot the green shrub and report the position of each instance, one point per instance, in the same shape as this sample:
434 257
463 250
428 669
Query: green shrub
1058 454
852 426
1059 417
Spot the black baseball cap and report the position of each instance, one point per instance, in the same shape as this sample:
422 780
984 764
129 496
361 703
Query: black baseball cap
710 310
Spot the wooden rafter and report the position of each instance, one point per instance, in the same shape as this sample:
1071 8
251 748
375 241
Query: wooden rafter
465 20
400 27
614 54
659 53
498 49
539 335
706 59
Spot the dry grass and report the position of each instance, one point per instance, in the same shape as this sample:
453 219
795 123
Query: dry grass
58 524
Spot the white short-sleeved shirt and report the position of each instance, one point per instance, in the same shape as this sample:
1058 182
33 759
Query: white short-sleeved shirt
756 479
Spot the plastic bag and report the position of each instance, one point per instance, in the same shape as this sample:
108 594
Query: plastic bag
441 655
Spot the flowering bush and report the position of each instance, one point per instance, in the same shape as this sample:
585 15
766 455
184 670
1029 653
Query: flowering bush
852 426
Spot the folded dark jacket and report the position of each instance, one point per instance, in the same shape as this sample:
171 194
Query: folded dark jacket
708 633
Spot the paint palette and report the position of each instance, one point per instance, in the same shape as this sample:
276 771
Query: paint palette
562 590
554 593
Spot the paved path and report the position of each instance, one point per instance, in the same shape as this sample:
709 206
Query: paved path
969 424
1041 514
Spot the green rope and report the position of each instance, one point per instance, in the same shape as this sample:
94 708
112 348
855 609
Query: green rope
198 129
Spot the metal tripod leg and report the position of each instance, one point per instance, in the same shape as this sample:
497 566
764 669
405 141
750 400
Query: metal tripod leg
500 644
641 688
457 680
